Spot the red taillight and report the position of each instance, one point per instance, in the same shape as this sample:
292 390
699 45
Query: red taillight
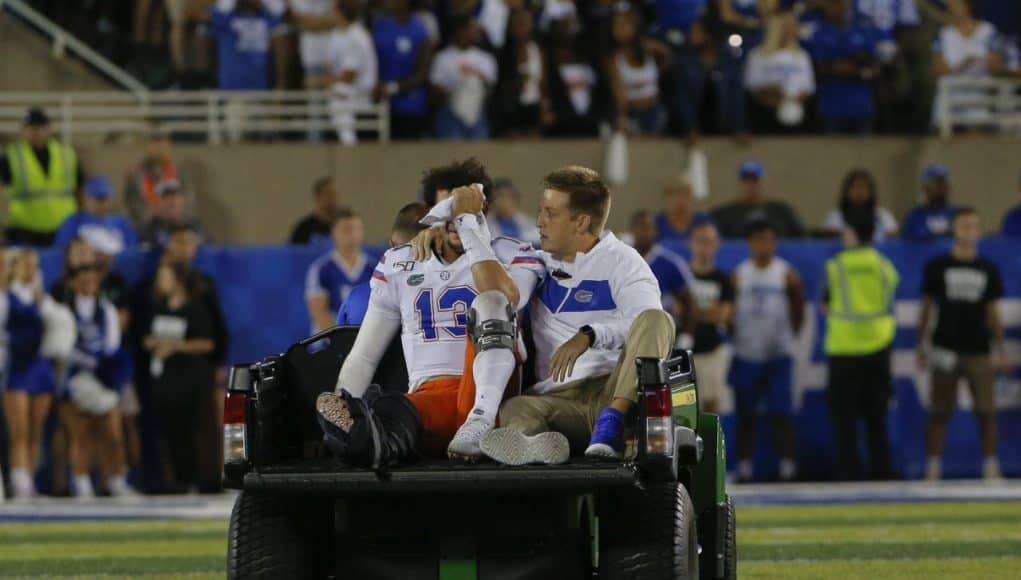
234 408
658 402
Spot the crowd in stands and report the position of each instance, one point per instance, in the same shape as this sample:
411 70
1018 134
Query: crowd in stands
135 374
471 69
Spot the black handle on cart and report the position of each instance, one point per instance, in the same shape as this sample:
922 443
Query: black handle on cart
322 334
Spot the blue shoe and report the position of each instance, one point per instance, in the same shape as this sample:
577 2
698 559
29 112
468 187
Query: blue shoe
607 436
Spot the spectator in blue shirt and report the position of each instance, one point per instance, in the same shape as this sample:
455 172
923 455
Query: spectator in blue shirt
96 214
844 53
886 17
678 23
741 30
246 37
932 219
405 51
679 216
331 277
671 270
1012 221
406 227
889 18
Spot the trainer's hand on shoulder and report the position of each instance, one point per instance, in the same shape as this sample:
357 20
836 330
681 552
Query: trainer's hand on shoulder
467 199
425 242
562 364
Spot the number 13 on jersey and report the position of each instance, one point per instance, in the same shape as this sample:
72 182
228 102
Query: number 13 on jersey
455 300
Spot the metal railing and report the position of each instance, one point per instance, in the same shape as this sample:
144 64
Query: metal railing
62 40
218 116
978 103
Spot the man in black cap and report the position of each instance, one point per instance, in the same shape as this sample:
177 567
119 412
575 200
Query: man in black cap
40 177
753 205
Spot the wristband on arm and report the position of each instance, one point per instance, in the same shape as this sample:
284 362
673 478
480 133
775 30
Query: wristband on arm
475 238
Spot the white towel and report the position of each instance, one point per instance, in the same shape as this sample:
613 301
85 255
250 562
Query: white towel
477 242
441 212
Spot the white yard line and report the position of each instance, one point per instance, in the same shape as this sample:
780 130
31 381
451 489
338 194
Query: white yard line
880 492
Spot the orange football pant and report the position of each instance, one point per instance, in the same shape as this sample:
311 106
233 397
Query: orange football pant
443 404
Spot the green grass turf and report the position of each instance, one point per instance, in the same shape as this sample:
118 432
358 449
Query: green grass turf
889 541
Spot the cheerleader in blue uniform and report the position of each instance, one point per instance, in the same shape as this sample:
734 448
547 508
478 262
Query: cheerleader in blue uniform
94 386
31 383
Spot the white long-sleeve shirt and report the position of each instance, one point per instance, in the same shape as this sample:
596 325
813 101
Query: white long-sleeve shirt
607 288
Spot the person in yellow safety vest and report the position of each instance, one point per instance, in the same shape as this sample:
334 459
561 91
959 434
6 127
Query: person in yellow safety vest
40 178
858 302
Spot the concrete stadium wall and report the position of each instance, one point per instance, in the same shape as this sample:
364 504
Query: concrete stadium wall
253 193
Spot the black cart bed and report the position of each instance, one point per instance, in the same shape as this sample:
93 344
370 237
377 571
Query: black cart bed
327 477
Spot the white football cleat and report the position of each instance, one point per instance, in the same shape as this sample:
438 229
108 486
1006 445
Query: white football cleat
465 444
514 448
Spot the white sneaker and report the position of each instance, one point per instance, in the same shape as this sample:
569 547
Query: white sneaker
22 485
991 469
514 448
465 444
119 488
83 488
933 470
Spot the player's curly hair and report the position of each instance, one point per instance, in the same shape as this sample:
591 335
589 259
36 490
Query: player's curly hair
456 174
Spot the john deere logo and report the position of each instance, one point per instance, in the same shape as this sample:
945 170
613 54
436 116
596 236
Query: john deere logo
415 279
583 296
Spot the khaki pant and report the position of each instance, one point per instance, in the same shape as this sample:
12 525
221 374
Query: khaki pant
572 409
977 370
711 368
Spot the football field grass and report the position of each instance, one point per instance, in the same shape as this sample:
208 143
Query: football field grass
959 541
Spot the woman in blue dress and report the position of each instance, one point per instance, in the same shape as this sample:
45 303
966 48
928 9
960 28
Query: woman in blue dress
31 383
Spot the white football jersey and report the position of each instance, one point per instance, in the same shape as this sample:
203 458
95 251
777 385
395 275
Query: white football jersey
762 320
431 300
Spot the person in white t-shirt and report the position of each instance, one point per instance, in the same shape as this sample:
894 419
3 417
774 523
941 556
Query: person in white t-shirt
352 70
317 21
966 47
780 78
463 74
858 192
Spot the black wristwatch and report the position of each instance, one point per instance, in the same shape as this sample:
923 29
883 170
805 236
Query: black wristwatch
590 333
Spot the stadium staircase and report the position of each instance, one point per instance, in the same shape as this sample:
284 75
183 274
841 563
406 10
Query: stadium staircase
38 56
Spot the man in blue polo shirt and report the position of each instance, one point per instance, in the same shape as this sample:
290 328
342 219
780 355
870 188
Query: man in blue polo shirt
404 52
931 220
331 277
95 214
844 53
406 227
